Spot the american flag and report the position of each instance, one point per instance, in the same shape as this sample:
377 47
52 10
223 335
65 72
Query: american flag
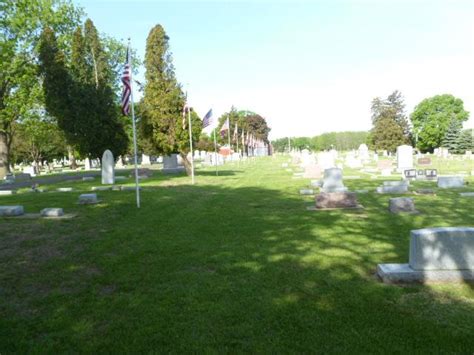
207 120
127 88
225 127
186 109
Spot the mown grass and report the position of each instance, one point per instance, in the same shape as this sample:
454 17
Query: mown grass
234 263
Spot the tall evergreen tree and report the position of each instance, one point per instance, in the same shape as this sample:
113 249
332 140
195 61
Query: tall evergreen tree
452 136
390 124
82 98
163 101
466 140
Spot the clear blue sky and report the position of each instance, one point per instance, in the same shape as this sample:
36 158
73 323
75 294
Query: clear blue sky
307 66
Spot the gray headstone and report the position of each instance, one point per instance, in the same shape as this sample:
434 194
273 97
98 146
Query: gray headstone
52 212
88 199
401 204
448 248
399 189
448 182
404 158
11 210
108 164
333 181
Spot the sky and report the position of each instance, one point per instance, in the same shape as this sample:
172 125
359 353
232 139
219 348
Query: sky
308 67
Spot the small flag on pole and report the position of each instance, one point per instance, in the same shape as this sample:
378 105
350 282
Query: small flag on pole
207 120
127 91
235 135
185 111
225 127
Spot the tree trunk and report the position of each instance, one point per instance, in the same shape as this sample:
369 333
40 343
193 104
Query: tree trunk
71 157
187 163
4 163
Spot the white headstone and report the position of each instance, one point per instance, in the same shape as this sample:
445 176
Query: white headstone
404 158
363 152
145 159
108 164
87 164
333 181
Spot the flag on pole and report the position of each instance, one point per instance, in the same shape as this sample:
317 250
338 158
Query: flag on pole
225 127
207 120
235 135
127 90
185 111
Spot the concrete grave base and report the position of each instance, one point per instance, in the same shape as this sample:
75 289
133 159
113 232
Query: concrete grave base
101 188
336 200
403 273
9 211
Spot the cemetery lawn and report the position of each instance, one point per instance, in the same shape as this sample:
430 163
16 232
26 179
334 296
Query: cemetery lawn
233 264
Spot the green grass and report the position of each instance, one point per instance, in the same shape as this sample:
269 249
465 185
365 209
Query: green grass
232 264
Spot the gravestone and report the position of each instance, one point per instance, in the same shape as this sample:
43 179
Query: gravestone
7 192
64 189
171 164
108 164
332 181
52 212
87 164
436 254
336 200
449 182
363 152
431 174
467 194
404 158
396 183
424 161
101 188
398 189
88 178
145 160
9 211
401 204
86 199
410 174
420 174
306 192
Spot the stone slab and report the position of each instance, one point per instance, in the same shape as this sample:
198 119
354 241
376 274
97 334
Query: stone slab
121 178
7 192
401 204
444 248
425 192
403 273
467 194
88 178
306 192
52 212
86 199
336 200
129 188
101 188
8 211
396 183
449 182
392 189
64 189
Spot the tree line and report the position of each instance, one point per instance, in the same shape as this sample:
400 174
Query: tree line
60 90
326 141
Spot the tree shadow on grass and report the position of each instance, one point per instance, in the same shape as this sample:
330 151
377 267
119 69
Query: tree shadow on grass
221 270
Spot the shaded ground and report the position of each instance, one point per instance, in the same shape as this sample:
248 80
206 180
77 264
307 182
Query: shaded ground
232 264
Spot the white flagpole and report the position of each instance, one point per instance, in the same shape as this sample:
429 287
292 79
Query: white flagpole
191 144
137 187
215 152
